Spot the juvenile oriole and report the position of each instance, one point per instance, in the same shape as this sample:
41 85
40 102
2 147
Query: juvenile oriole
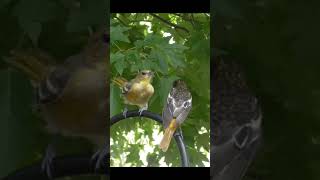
138 91
73 96
179 103
235 124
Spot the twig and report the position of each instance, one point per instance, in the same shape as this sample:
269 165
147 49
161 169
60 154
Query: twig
140 21
122 21
169 23
177 14
117 46
192 20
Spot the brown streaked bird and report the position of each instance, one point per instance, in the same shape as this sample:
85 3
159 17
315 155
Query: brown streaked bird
138 91
175 111
236 132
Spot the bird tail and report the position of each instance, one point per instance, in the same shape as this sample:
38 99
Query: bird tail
34 64
120 81
168 133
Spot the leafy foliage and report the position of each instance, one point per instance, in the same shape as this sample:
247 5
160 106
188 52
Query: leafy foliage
173 46
273 42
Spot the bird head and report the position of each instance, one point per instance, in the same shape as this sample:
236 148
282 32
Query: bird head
145 76
179 84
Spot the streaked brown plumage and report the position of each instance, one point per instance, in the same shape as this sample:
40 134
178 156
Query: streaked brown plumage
176 110
236 122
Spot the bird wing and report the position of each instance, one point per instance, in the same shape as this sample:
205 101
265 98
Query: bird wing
35 63
167 114
184 111
171 110
51 88
236 123
231 159
124 84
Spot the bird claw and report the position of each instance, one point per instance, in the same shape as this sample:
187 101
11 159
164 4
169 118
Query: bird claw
140 112
46 165
124 113
99 158
142 109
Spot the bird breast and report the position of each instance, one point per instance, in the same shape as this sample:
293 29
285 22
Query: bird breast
140 93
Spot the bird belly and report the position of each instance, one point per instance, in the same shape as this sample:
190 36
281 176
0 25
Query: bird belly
79 114
139 94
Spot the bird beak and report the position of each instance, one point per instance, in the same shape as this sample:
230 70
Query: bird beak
151 74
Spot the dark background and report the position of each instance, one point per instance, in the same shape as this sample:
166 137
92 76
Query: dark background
276 42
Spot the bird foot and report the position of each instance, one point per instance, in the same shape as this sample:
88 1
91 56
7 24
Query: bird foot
142 109
46 165
124 113
100 159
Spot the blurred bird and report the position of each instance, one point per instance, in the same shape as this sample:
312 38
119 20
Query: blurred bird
138 91
175 111
236 122
72 96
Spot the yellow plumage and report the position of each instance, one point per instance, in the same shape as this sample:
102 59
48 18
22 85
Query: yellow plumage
80 108
138 91
168 133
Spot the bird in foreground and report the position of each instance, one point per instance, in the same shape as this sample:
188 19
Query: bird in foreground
72 96
236 122
138 91
175 111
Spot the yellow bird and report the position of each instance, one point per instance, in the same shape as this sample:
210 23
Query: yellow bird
72 96
138 91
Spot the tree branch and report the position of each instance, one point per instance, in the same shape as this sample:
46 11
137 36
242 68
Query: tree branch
169 23
122 22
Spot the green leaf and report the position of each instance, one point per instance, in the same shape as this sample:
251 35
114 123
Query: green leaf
117 34
35 10
89 13
133 156
119 62
203 141
118 56
164 88
33 29
162 63
114 98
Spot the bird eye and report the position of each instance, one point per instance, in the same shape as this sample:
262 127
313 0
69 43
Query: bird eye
144 73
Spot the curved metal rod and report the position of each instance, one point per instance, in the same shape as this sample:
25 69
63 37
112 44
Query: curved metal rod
156 117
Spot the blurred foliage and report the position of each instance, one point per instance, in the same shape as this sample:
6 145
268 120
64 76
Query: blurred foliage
276 42
173 46
60 28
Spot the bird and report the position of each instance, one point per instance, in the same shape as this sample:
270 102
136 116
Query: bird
175 111
137 91
71 96
236 124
